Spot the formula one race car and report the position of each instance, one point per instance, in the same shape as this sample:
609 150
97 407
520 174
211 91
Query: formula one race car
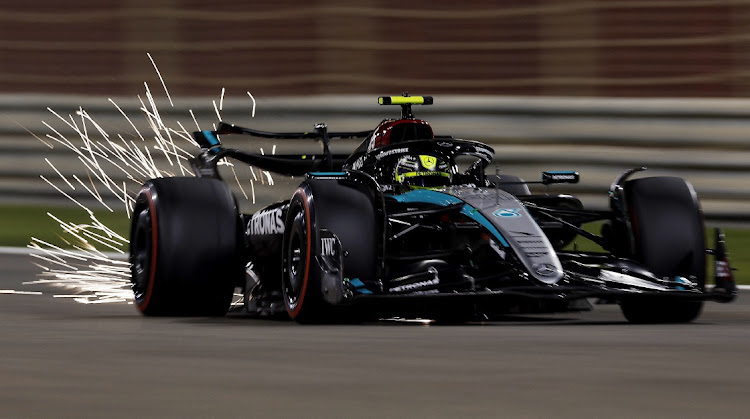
410 225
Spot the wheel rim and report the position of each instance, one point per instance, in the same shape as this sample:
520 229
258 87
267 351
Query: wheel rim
295 264
296 254
141 253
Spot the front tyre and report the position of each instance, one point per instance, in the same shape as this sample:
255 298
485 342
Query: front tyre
669 239
185 247
300 283
656 312
313 274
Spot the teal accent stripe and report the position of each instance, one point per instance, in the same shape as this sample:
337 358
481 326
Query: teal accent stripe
211 137
477 216
359 286
328 173
442 199
429 196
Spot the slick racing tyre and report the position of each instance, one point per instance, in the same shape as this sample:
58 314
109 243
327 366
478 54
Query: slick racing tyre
669 239
185 247
348 213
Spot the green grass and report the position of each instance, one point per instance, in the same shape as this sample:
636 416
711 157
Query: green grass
738 245
19 223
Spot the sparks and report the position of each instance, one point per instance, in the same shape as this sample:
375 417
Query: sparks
93 265
160 78
253 99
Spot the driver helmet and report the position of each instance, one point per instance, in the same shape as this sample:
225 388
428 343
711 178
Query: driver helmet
423 171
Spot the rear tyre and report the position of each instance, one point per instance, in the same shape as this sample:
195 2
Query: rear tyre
185 247
669 239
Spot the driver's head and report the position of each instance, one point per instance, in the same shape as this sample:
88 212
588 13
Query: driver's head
424 171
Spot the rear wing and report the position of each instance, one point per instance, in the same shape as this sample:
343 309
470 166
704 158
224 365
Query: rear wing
209 139
291 165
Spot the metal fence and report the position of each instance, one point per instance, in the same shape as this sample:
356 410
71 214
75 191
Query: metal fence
706 141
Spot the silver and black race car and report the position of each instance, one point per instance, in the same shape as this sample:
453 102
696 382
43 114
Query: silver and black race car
410 225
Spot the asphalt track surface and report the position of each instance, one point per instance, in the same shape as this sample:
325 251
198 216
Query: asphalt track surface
59 358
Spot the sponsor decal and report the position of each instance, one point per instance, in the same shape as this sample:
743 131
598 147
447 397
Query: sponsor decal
444 144
266 222
328 246
563 177
428 162
545 269
507 212
722 269
391 152
417 174
427 292
358 163
560 177
416 285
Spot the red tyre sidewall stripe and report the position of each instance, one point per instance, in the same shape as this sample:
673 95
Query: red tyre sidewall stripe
295 312
154 251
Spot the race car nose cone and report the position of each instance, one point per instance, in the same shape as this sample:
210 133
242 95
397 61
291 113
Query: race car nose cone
545 269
